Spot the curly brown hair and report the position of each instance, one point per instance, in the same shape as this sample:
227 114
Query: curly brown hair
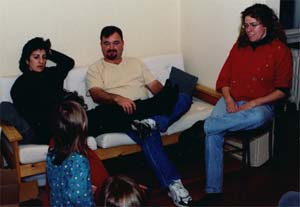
267 17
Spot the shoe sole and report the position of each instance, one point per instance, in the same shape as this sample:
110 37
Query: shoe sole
177 204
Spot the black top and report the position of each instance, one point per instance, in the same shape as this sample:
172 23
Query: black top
35 94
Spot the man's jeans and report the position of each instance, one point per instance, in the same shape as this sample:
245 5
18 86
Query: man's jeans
152 145
217 125
153 150
182 105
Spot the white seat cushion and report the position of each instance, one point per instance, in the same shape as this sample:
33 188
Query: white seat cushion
31 153
198 111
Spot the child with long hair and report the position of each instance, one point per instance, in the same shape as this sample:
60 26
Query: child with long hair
68 168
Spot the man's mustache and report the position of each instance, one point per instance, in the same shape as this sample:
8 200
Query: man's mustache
112 50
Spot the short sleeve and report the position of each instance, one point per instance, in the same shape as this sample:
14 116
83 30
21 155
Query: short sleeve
94 77
148 76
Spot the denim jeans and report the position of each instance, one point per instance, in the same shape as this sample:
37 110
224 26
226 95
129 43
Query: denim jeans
289 199
152 145
217 125
153 150
182 105
9 115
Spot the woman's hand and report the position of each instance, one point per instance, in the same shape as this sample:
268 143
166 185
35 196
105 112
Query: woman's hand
231 106
247 105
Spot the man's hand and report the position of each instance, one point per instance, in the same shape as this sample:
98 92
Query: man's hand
101 96
127 104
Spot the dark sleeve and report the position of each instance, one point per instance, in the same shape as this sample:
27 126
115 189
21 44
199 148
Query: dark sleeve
286 91
25 100
63 62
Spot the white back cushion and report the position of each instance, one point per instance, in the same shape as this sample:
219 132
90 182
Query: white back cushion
161 65
75 81
6 83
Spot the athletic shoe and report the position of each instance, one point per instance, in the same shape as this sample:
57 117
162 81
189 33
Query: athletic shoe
179 194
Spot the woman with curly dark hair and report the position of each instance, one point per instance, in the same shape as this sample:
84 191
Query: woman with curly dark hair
256 74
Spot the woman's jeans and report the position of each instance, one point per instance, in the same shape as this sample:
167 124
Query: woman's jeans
217 125
9 115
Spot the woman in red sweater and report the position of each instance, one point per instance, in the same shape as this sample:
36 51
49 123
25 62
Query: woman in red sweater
256 74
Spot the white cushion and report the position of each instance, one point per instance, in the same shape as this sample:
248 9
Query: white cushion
91 143
31 153
75 81
5 86
160 66
113 139
198 111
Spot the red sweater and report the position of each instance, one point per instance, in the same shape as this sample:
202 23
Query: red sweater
256 73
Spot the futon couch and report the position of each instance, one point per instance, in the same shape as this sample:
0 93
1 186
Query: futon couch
29 159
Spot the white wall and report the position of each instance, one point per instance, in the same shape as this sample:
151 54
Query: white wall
149 27
204 30
209 29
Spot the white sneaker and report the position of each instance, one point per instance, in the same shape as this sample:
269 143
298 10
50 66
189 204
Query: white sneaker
179 194
143 128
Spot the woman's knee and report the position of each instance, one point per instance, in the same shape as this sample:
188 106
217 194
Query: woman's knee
7 110
5 105
261 116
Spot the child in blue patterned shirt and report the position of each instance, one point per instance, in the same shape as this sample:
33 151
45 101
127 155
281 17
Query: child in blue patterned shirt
68 169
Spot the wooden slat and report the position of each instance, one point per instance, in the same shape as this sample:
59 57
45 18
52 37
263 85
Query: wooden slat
107 153
207 94
33 169
11 133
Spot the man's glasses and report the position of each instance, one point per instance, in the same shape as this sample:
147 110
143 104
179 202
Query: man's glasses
252 25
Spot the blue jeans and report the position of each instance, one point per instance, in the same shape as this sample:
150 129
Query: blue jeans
289 199
154 152
217 125
152 145
182 105
9 115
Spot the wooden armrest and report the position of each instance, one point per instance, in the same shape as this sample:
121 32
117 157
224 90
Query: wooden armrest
10 148
11 133
207 94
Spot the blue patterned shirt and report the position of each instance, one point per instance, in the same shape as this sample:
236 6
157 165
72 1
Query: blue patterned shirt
70 183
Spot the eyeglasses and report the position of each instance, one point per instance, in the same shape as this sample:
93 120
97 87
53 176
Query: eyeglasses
252 25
